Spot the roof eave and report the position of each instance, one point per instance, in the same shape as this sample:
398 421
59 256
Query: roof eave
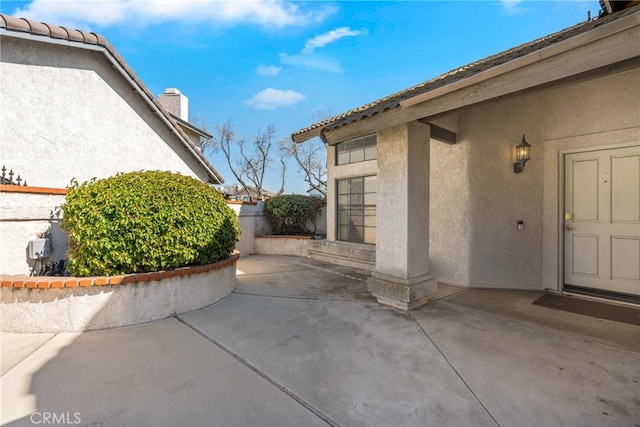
305 136
531 58
191 127
319 129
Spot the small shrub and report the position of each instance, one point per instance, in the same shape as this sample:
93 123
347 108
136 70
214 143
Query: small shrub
289 214
146 221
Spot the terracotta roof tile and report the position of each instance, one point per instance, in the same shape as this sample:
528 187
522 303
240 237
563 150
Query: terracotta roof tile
56 32
39 28
90 38
466 71
17 24
103 42
74 35
82 37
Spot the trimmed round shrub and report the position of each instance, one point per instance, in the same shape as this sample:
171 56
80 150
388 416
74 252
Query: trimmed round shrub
289 214
146 221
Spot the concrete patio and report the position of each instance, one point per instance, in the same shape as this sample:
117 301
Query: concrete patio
302 343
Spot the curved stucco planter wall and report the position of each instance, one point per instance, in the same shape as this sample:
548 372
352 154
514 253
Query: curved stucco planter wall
63 304
256 229
282 245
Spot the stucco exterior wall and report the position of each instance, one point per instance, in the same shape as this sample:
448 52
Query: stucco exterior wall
66 113
281 245
449 214
252 222
24 217
476 199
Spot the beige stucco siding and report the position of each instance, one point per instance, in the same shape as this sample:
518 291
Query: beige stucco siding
450 224
476 199
67 113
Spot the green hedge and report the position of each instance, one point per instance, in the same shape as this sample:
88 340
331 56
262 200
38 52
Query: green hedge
289 214
146 221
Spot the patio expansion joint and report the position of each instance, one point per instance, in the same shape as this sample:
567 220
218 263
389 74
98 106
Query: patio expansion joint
426 334
264 375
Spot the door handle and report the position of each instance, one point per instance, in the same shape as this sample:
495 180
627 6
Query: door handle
568 227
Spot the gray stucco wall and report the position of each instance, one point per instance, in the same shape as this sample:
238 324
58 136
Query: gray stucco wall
24 217
476 199
66 113
450 224
252 222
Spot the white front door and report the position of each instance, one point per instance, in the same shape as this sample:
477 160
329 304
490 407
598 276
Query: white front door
602 220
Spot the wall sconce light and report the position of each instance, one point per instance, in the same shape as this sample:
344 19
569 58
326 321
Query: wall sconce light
523 154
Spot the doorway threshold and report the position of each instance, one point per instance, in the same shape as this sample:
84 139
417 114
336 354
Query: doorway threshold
602 294
608 310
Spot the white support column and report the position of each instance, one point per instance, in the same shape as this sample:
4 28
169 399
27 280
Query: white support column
401 278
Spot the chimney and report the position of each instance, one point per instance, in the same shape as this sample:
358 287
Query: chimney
175 103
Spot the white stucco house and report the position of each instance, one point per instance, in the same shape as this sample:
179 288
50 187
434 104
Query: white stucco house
71 108
424 186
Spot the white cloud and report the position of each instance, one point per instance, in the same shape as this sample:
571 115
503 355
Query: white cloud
80 13
309 59
270 99
512 7
312 62
268 70
329 37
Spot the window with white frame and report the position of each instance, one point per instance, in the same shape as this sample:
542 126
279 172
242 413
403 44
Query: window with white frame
357 150
356 219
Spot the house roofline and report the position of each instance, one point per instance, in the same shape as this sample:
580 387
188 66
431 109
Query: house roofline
254 189
403 99
191 127
531 58
37 31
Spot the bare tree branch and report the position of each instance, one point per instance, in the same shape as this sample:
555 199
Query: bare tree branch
223 139
255 157
284 170
310 157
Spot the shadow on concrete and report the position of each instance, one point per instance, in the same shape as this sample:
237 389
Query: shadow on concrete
284 355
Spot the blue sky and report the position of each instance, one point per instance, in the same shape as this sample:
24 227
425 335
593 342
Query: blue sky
278 62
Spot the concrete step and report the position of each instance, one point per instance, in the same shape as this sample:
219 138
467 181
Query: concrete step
344 253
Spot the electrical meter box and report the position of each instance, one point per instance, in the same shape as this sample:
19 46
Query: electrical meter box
39 248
